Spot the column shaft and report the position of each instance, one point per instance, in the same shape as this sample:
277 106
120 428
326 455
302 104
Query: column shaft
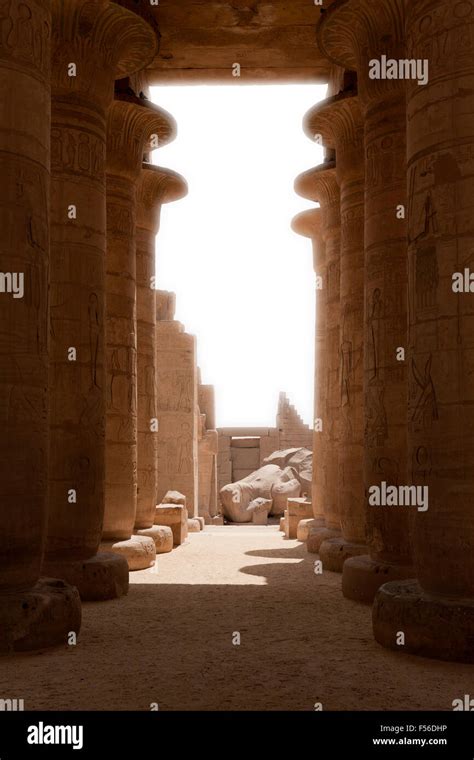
33 613
437 614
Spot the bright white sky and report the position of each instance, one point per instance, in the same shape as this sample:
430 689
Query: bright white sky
243 280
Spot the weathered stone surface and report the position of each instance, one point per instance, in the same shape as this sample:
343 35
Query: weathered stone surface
176 517
335 551
320 185
162 535
33 613
297 509
338 120
273 41
194 525
40 616
132 123
102 576
156 186
305 527
174 497
269 482
385 377
139 551
106 49
177 412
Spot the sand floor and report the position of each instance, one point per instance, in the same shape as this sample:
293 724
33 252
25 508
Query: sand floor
170 641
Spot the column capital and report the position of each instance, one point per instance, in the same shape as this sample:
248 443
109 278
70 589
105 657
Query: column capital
308 223
319 184
91 34
337 119
132 123
157 185
351 33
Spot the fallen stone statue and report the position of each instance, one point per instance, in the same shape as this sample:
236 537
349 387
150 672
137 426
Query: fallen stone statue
284 474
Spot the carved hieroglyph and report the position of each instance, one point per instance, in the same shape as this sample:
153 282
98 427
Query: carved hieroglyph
131 126
33 613
338 120
155 187
177 418
441 242
99 40
354 34
25 37
320 185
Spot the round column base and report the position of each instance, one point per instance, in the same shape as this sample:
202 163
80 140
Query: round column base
38 617
439 627
139 551
316 538
194 526
363 576
103 576
305 527
334 552
162 535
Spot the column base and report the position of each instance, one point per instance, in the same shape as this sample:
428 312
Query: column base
161 535
282 525
38 617
334 552
305 527
103 576
363 576
139 551
194 526
439 627
316 538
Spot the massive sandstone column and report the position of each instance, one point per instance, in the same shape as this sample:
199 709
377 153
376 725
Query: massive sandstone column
338 120
319 184
134 126
177 403
309 224
33 613
354 34
436 614
155 187
102 41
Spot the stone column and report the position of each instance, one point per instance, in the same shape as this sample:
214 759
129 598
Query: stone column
156 186
339 123
309 224
380 31
134 126
436 614
207 404
113 42
320 185
33 613
177 402
208 448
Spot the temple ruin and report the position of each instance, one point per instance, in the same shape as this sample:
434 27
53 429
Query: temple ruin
111 452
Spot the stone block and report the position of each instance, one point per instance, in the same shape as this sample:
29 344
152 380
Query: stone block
139 551
174 497
245 459
162 535
175 516
194 525
245 443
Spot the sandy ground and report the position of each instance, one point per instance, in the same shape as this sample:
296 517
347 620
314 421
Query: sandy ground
170 641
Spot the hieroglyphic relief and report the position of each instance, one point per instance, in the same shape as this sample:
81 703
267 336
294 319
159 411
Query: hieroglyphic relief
25 36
